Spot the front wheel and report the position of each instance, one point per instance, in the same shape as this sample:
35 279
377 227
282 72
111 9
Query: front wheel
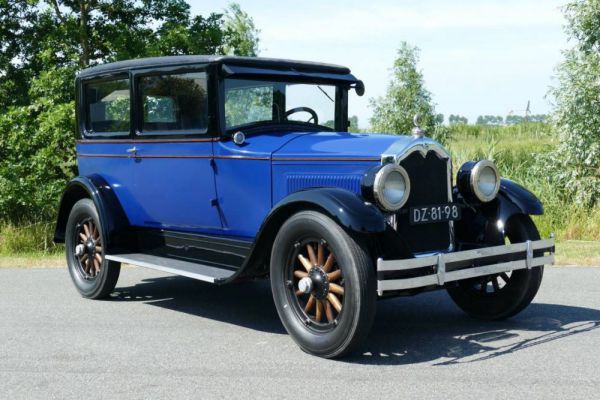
323 285
504 295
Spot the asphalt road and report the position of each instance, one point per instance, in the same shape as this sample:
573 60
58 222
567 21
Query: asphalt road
162 336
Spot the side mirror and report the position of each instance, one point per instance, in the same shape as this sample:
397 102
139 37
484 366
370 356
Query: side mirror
360 88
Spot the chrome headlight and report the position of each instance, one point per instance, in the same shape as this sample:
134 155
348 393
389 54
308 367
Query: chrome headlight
391 187
485 180
478 180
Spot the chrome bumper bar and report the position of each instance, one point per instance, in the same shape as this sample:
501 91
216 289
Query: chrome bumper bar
449 267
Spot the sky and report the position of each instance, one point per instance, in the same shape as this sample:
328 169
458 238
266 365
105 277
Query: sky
477 57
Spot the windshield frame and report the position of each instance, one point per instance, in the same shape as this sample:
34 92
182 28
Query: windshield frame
340 106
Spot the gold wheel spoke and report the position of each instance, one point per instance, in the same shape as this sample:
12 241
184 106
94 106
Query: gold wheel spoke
98 257
87 230
311 254
299 292
335 275
329 263
337 289
300 274
88 265
82 236
328 311
98 249
309 304
305 263
96 265
320 254
334 302
319 313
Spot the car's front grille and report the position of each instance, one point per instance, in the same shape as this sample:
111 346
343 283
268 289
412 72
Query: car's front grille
428 186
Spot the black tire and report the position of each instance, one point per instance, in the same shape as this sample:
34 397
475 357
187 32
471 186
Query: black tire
101 281
482 298
348 330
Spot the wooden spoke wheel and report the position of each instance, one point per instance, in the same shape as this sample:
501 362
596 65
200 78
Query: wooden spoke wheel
317 282
89 250
94 276
323 284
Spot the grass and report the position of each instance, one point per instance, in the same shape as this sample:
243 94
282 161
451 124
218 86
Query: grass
578 252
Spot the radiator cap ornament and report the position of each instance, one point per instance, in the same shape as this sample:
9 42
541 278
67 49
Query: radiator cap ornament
417 131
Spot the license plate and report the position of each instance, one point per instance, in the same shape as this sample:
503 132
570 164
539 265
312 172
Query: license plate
432 214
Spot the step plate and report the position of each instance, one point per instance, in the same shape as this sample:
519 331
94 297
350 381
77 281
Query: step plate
177 267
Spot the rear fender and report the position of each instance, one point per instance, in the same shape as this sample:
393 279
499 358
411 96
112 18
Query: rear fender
112 217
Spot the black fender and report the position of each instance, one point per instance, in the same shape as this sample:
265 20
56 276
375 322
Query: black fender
346 208
111 214
486 222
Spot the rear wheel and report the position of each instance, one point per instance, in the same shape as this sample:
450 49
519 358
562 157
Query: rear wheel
93 275
323 285
503 295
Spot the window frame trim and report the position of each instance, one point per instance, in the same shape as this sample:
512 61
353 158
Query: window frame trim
138 124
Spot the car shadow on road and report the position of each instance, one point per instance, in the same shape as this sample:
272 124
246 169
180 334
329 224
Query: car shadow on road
427 328
247 303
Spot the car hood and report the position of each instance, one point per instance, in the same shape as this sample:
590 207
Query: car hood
337 145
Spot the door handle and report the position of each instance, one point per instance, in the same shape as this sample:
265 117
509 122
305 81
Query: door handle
133 151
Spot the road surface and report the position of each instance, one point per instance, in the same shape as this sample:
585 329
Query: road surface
162 336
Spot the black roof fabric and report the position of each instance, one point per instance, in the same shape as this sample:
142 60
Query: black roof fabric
260 62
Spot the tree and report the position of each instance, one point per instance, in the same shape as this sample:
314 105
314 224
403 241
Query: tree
406 96
457 119
43 44
240 33
576 161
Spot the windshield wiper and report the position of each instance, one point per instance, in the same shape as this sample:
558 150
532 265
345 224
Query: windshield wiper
325 93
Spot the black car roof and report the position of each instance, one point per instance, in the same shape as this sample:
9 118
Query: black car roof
253 62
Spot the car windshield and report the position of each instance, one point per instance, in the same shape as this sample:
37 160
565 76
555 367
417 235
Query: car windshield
259 101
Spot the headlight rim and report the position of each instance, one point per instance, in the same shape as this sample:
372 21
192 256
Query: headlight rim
475 173
378 185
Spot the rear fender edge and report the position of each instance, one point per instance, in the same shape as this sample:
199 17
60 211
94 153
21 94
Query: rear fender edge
111 214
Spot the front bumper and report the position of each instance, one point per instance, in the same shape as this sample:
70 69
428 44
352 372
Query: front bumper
448 267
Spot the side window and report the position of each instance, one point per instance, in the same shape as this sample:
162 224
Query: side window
247 101
174 103
107 106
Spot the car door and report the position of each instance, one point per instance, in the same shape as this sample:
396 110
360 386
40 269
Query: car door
104 107
174 175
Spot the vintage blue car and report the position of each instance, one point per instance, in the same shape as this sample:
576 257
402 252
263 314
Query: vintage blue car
220 168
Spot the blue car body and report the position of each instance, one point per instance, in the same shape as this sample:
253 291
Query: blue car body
198 195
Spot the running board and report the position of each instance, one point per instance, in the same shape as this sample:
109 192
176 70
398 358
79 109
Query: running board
184 268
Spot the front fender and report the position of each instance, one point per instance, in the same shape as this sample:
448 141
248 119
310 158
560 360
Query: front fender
486 222
112 217
344 207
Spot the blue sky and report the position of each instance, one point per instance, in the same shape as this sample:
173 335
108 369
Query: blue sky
478 57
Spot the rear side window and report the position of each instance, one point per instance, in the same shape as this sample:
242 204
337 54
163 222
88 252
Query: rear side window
174 103
108 106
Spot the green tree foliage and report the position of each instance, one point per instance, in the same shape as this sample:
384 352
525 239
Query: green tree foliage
493 120
405 96
43 44
457 119
576 162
